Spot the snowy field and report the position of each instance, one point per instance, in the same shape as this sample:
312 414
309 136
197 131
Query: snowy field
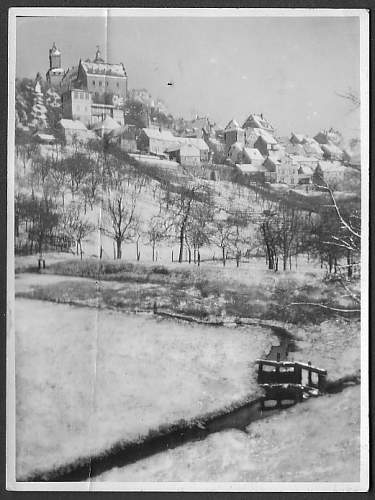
289 447
86 379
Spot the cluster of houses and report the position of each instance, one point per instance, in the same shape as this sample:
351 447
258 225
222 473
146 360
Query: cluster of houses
92 99
300 159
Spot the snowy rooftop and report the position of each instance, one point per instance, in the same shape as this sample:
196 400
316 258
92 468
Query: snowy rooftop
331 148
232 125
253 153
72 124
267 137
107 124
257 121
198 143
305 170
101 68
163 135
251 169
189 150
299 137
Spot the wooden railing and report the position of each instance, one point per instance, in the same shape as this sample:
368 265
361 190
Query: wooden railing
291 372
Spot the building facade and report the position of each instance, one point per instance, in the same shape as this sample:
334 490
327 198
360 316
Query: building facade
108 83
76 105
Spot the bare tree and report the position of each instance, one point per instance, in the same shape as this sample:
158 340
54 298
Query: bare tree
223 233
158 228
76 226
182 204
121 211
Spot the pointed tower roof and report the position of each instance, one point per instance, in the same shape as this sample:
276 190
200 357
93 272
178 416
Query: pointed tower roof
232 125
98 56
55 51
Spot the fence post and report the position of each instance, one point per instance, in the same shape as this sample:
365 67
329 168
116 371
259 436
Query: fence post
309 375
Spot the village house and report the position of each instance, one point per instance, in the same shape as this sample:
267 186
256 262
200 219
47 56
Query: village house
265 143
282 170
190 155
305 161
332 152
257 121
305 174
233 133
198 127
330 173
251 136
297 138
100 111
252 156
156 141
44 138
312 148
174 151
73 131
235 153
200 144
255 172
106 126
287 171
328 136
216 148
294 148
125 137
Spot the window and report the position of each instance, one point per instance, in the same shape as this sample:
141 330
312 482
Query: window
117 84
93 82
106 84
81 95
100 84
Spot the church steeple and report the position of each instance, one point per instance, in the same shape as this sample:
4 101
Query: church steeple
98 56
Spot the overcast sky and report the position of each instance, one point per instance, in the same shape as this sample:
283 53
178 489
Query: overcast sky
286 68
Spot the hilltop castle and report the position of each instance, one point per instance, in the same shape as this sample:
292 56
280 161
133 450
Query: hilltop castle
90 91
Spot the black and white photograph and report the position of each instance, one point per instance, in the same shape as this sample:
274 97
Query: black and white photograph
187 224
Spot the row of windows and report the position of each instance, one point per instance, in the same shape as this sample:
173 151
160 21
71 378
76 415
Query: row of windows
84 108
101 83
81 95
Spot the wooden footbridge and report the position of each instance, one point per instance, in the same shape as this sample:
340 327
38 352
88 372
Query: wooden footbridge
288 382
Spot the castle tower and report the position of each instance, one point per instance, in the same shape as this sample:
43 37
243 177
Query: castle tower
55 72
54 57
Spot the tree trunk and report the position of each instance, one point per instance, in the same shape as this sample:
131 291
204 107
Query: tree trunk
153 252
199 258
80 248
223 258
137 250
182 237
118 247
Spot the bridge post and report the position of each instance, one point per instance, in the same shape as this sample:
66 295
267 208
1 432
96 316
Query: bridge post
309 375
